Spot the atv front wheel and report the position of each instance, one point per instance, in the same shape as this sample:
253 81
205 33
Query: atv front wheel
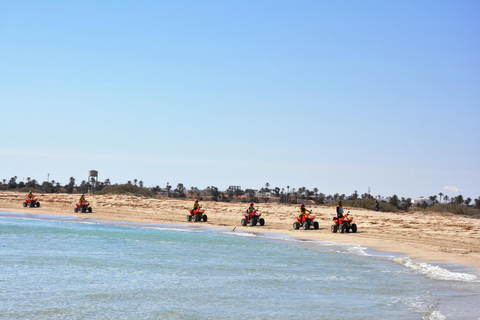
306 226
204 218
354 228
89 209
37 204
262 221
342 228
315 225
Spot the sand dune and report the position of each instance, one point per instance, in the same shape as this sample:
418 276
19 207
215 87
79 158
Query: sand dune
430 237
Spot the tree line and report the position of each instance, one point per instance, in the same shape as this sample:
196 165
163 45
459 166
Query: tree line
264 194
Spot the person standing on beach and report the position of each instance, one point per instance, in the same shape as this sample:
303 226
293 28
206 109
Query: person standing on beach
339 210
303 211
377 205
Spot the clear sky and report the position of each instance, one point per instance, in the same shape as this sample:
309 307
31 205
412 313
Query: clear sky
337 95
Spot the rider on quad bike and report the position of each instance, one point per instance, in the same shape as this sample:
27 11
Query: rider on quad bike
343 223
31 201
251 210
82 205
252 217
339 210
303 211
196 214
305 219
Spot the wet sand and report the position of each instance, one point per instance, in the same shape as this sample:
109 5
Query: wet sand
434 237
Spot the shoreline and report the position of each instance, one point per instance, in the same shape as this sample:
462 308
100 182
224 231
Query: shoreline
430 238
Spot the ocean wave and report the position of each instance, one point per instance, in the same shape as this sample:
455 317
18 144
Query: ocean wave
436 272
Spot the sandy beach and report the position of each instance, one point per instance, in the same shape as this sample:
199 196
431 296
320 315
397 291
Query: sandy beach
433 237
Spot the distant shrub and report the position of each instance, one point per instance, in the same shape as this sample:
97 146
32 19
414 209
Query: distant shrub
454 208
368 204
128 189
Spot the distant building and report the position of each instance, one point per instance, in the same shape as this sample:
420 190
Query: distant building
421 200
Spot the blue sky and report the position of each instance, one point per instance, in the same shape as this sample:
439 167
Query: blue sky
337 95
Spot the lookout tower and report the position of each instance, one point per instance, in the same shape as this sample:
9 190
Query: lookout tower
93 179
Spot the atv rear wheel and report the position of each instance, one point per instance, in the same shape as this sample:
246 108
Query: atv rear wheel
315 225
84 209
296 225
333 228
253 222
189 218
244 222
262 221
196 218
342 228
25 204
75 210
354 228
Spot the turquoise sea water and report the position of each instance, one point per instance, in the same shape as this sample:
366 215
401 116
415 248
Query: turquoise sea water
65 269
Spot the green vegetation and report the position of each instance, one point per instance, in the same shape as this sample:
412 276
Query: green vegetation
455 208
128 189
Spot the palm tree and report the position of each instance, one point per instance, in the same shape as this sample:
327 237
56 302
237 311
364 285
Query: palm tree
135 181
440 196
446 198
467 201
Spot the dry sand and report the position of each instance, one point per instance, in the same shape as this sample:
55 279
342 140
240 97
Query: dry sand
431 237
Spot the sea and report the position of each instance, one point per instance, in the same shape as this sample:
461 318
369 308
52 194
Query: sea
54 267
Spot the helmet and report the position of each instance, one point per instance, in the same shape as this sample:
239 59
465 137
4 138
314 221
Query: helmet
196 200
251 203
302 205
82 195
30 191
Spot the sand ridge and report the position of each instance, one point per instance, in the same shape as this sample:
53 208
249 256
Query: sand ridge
429 237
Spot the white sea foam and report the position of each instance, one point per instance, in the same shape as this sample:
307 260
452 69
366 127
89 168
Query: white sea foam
436 272
435 315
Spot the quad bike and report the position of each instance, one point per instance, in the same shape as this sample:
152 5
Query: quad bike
252 219
306 222
344 224
197 215
31 202
83 207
